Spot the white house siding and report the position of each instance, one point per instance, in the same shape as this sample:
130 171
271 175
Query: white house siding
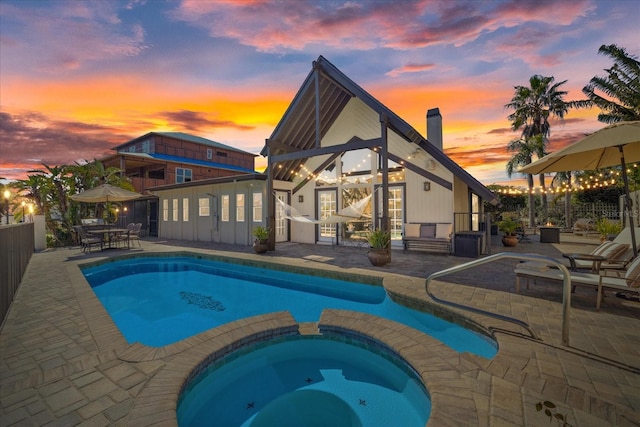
461 202
211 228
434 205
357 119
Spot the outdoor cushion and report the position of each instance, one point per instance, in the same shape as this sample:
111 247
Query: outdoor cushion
601 248
443 231
412 230
615 251
633 274
427 231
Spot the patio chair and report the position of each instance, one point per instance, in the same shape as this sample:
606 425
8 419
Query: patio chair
134 233
627 280
521 232
86 240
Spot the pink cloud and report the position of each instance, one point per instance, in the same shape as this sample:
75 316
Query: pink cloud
410 68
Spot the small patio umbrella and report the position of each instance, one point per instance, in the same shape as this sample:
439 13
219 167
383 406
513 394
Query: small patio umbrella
610 146
105 193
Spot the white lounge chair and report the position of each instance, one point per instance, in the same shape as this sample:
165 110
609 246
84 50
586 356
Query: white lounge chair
627 280
614 259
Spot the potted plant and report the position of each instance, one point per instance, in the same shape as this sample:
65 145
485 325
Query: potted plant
379 241
608 229
509 226
261 243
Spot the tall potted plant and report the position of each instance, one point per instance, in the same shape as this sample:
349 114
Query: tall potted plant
509 226
379 241
261 242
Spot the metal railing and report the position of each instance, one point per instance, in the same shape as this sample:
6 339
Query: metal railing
566 289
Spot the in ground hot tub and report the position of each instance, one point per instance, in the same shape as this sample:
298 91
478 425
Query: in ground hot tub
310 381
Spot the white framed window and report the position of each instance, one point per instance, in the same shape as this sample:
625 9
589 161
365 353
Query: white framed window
165 210
175 209
185 209
183 175
257 207
204 208
209 153
146 146
224 215
240 207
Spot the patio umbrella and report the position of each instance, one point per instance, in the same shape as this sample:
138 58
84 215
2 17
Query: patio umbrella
105 193
613 145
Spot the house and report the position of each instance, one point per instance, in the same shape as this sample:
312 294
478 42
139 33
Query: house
336 146
160 158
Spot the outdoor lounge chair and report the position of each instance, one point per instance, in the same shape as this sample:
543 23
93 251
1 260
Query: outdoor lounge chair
627 280
614 259
611 254
584 227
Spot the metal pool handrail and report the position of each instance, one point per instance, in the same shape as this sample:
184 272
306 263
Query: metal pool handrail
566 289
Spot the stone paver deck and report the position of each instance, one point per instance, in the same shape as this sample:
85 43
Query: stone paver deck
63 361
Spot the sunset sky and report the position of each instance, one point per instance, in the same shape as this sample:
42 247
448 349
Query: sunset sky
80 77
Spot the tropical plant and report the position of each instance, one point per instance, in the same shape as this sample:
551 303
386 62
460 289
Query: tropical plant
533 106
379 239
607 228
508 226
261 233
50 189
618 93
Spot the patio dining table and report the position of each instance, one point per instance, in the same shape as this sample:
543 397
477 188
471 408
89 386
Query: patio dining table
113 235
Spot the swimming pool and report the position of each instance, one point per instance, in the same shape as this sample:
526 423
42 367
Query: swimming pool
159 300
306 382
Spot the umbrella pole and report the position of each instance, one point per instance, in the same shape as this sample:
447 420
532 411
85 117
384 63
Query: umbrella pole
628 204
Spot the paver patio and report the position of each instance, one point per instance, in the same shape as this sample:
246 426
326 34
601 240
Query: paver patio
62 362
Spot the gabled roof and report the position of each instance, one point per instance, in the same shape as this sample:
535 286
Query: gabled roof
186 137
296 131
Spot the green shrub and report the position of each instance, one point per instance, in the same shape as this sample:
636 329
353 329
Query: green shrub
379 239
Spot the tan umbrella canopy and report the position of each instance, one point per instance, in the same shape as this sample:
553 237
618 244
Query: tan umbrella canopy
105 193
599 150
613 145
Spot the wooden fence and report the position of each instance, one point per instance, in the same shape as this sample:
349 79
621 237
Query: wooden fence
16 247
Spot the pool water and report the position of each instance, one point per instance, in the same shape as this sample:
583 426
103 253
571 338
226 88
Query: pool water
306 382
162 300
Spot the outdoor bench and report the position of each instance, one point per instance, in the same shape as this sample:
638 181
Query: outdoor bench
430 237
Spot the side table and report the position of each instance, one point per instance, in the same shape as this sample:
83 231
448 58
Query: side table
549 234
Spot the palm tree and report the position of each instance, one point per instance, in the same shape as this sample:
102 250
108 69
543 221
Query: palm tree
618 94
533 106
523 150
560 178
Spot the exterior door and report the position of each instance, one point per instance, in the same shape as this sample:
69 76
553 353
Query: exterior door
281 226
153 218
396 213
327 204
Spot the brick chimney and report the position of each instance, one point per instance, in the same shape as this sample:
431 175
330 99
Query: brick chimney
434 127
